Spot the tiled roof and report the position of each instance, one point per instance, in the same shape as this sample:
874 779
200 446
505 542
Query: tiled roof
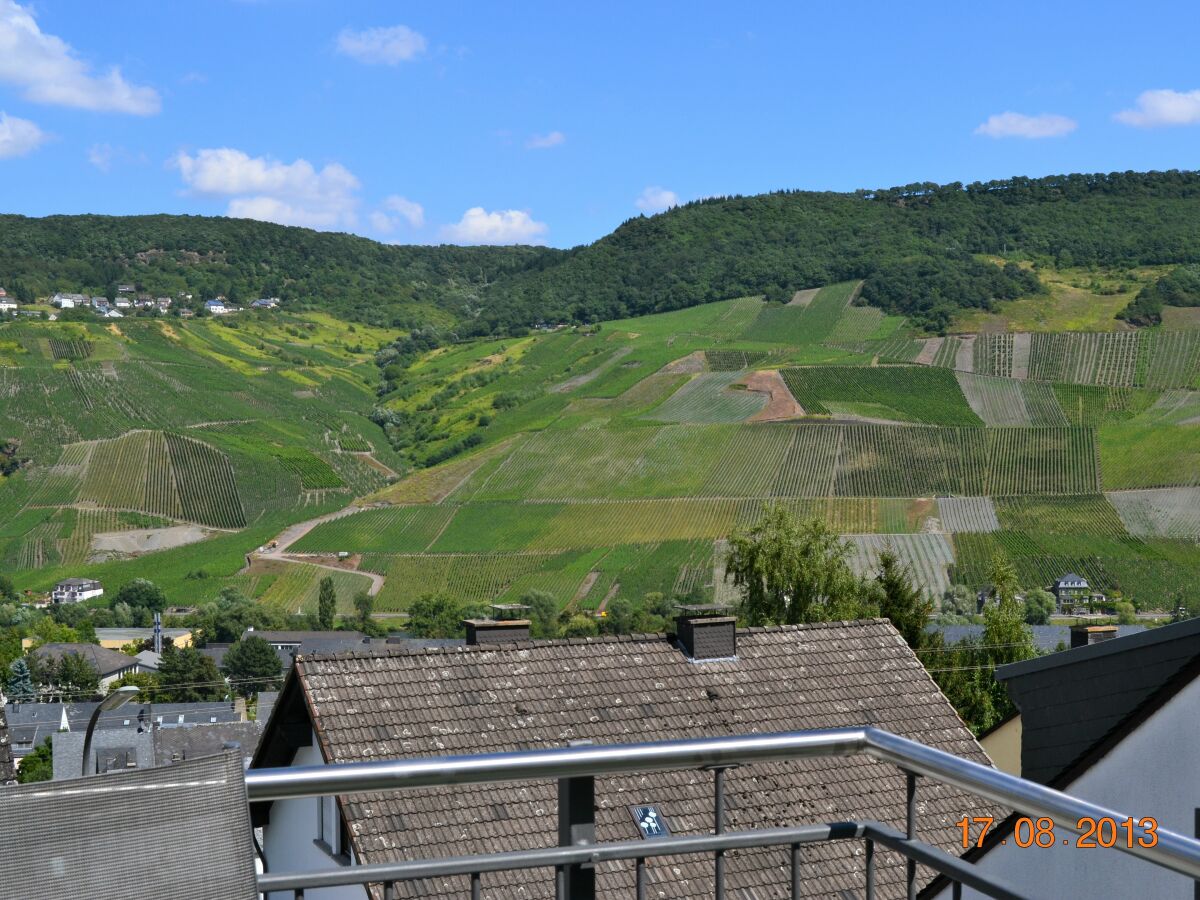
382 703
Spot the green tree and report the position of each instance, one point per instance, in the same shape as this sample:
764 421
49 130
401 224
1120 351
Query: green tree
580 625
1039 607
185 675
543 613
1126 614
620 617
19 686
326 603
147 684
252 666
7 591
142 594
38 765
1003 576
364 604
73 677
793 572
435 616
900 601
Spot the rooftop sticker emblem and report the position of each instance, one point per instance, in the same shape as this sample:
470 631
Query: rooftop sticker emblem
650 822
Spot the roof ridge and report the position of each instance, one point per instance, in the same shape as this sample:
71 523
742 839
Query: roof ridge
369 651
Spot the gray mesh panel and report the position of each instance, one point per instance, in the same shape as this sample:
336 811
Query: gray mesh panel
177 831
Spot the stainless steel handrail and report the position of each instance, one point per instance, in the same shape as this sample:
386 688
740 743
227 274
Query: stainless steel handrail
1173 851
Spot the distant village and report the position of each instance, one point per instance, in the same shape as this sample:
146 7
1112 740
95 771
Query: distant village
128 300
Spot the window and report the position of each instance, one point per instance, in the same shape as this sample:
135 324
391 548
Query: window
181 718
331 835
212 718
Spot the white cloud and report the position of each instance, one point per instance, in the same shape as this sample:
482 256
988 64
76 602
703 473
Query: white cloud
655 199
18 136
546 141
408 211
101 156
505 226
382 46
1163 107
50 72
1019 125
263 188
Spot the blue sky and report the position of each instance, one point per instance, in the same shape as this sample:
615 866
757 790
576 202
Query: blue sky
554 122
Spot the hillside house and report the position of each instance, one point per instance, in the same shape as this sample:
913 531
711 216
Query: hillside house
116 638
126 289
389 702
76 590
7 305
1070 589
163 303
113 314
3 293
100 304
69 301
215 307
123 303
1112 722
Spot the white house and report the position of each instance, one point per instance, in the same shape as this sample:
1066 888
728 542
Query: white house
76 590
7 305
122 303
114 314
1113 723
68 301
215 307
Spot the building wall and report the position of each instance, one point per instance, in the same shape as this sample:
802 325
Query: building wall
289 839
1003 746
1150 773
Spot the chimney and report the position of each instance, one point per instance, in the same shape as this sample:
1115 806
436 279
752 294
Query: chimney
505 626
705 633
1086 635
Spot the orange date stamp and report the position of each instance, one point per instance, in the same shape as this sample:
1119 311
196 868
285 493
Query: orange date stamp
1088 832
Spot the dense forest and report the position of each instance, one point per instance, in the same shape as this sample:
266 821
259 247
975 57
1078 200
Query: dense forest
918 247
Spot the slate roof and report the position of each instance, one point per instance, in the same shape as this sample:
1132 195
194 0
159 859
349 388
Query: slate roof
382 702
1070 701
30 723
106 662
174 745
1045 637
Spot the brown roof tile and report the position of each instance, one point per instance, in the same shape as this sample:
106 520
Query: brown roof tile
390 703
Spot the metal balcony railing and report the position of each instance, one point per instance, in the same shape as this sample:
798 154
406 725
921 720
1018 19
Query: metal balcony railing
575 767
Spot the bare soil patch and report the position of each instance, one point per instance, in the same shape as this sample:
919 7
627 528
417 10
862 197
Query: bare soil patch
586 586
803 298
580 380
929 351
376 464
687 365
780 402
147 540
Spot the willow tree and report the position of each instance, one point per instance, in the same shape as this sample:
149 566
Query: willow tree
793 571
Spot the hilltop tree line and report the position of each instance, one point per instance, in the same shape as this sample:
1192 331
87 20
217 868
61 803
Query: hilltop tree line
917 247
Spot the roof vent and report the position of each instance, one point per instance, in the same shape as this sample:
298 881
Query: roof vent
1086 635
706 632
506 626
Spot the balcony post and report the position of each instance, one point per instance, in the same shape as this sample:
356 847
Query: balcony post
576 826
911 832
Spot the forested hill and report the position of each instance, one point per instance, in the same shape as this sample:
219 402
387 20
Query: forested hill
914 245
917 247
243 259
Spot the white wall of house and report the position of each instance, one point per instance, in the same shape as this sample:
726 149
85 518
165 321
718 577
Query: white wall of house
1150 773
289 841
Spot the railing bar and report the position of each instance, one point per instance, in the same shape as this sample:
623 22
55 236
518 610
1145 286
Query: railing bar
389 890
956 891
560 883
641 878
557 857
795 872
941 861
476 886
910 828
298 894
870 869
719 828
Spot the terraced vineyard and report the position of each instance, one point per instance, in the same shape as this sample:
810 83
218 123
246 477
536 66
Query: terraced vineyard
599 464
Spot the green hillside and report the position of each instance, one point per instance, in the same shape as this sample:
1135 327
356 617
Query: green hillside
593 463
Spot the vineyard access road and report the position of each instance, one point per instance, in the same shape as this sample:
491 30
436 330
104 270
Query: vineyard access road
293 533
